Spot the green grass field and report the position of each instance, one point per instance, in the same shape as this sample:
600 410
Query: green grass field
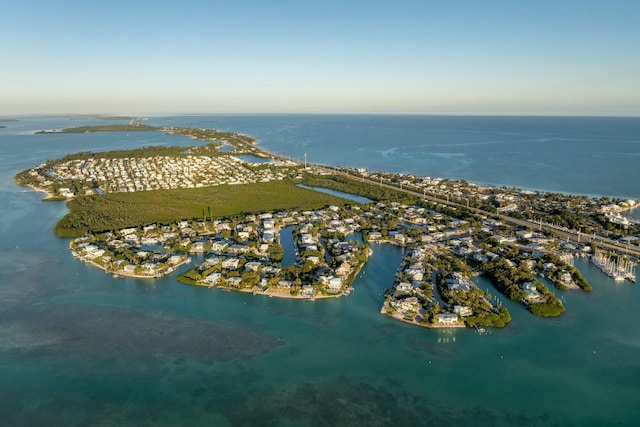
91 214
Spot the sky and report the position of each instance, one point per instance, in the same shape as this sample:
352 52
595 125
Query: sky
437 57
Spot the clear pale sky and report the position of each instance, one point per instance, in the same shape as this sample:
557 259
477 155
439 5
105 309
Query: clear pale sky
478 57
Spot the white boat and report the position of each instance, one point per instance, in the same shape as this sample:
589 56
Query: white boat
618 268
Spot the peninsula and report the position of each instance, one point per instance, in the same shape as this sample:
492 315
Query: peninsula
141 213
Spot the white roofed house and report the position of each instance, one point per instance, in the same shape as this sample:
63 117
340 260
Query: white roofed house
407 305
129 268
334 284
462 310
343 270
531 292
197 247
252 266
375 235
268 224
415 272
566 278
243 236
548 266
285 284
231 264
458 283
212 278
447 318
150 268
174 259
268 236
404 287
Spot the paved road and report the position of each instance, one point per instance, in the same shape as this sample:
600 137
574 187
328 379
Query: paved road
602 242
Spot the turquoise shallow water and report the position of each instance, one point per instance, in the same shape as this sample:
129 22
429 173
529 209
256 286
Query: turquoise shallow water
78 347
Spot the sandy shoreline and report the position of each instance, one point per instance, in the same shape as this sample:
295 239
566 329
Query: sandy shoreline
49 195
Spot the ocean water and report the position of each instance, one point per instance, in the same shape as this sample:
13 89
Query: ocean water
78 347
596 156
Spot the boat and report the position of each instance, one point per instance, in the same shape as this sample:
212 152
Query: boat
618 268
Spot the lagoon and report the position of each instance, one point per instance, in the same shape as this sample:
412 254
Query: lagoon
288 246
352 197
254 159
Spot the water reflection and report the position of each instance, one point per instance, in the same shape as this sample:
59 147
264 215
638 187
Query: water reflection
348 196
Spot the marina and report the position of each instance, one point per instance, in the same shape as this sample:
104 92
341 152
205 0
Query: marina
616 267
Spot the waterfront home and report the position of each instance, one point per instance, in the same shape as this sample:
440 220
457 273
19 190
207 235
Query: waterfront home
407 305
415 272
447 318
375 235
308 291
234 281
334 284
174 259
565 278
462 310
197 247
129 268
285 284
150 267
404 287
268 236
343 270
531 292
307 239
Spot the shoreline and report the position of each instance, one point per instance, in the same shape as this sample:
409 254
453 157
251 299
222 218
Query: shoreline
120 274
457 325
49 196
243 141
269 292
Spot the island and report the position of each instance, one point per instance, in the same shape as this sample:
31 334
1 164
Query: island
145 212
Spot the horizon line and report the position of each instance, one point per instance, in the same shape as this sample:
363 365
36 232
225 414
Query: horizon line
358 113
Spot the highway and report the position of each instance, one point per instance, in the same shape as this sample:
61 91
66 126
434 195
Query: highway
571 235
574 236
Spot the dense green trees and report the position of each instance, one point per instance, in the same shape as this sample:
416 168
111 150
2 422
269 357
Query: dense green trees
507 279
497 319
120 210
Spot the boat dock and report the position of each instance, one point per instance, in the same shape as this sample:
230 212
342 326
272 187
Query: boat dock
616 267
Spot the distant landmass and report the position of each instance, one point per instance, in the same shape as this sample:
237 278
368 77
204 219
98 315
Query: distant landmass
102 128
